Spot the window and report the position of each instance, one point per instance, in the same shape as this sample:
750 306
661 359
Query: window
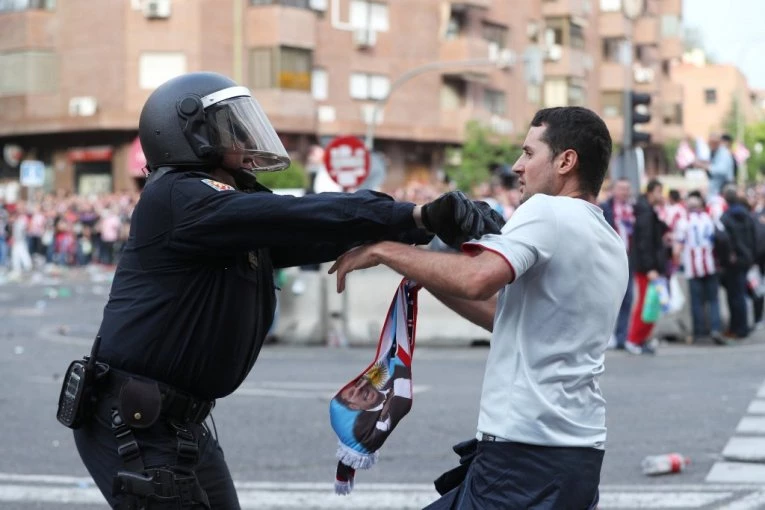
554 31
282 67
155 68
577 35
319 84
495 34
556 93
576 96
303 4
670 26
610 5
452 93
23 5
673 113
710 96
612 49
370 15
369 86
494 101
534 94
25 72
261 68
613 104
456 25
294 68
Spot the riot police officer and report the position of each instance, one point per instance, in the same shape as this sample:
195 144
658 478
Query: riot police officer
193 295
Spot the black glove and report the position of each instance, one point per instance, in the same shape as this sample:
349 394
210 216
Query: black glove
455 219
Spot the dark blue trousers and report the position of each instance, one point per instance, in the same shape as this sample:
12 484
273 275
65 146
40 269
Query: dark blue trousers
516 476
98 449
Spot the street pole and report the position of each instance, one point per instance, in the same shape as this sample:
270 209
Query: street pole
433 66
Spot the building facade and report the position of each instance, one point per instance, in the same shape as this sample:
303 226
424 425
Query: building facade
74 74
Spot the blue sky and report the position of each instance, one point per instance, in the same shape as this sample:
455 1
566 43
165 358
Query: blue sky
733 32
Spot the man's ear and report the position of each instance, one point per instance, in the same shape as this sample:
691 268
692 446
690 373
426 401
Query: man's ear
567 161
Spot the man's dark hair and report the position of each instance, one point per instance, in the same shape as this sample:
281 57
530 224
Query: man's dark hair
579 129
674 195
726 138
652 185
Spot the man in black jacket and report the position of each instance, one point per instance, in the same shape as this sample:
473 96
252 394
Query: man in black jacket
648 260
741 229
193 295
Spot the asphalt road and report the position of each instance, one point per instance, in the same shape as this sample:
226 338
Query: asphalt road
279 445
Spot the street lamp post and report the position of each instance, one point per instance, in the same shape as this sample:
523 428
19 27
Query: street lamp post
432 66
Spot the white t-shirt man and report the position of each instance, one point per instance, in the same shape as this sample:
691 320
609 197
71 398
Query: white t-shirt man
552 324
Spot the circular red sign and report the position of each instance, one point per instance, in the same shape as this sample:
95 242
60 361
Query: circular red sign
347 161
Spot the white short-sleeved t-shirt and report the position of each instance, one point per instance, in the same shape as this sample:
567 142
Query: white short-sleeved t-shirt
552 323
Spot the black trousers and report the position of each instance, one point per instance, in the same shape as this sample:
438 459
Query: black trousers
516 476
97 447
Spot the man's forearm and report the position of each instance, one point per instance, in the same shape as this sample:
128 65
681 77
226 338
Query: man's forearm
443 273
480 313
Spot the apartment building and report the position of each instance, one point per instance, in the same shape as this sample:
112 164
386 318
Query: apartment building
716 98
74 74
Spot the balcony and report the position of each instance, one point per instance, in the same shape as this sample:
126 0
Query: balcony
565 9
27 29
646 30
670 47
565 61
275 25
612 76
288 110
464 48
612 24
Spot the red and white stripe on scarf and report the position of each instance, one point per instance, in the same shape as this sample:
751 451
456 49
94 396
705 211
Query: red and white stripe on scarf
624 219
696 234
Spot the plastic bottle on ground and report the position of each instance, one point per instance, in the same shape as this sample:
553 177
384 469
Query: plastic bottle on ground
664 464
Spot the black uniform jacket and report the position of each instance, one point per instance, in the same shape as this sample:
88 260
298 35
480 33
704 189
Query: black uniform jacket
193 295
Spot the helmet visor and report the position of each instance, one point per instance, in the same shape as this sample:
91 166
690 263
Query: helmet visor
241 133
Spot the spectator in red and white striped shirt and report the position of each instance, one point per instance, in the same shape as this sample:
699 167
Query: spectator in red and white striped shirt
694 245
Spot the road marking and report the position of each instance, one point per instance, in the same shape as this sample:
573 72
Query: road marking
756 407
751 425
71 490
660 499
736 472
745 449
752 501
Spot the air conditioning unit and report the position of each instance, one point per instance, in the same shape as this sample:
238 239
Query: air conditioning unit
363 38
554 52
156 9
318 5
643 74
85 106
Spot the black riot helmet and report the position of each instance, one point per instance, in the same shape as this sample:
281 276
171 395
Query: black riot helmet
207 120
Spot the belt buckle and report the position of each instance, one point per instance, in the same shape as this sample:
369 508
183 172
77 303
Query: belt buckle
488 437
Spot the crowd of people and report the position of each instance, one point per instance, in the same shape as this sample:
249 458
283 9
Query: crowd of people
712 237
63 229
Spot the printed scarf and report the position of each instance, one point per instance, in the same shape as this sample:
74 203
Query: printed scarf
367 409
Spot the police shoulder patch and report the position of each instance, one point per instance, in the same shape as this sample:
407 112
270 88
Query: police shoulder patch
218 186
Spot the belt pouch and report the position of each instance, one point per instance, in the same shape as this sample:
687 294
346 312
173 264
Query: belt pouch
140 403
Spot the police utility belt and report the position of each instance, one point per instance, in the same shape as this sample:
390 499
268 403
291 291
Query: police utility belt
140 401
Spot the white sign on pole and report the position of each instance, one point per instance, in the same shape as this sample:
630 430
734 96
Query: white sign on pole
32 173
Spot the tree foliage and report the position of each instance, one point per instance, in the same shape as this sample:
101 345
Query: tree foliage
292 177
754 138
482 151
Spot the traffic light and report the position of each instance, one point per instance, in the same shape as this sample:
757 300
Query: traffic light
637 113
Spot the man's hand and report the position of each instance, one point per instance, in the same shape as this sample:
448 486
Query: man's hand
456 219
652 275
362 257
